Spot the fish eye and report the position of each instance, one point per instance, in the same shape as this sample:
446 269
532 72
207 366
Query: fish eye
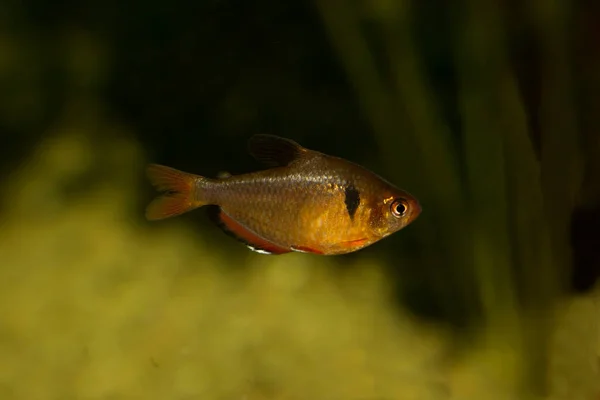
399 207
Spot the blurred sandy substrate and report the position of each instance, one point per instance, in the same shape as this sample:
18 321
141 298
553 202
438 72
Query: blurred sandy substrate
94 306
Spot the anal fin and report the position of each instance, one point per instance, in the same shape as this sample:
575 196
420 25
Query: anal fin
238 231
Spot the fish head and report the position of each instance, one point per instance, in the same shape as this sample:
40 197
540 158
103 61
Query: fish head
392 211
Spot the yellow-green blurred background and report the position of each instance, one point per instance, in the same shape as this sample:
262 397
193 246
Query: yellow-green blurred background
488 111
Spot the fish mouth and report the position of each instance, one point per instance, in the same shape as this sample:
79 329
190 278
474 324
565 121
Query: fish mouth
415 210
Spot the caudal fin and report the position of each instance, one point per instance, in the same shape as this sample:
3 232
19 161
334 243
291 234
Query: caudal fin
179 192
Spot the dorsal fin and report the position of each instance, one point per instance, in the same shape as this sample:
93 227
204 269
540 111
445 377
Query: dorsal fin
274 150
238 231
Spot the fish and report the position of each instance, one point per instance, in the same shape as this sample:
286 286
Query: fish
302 201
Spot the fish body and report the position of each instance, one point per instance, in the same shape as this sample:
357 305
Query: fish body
307 201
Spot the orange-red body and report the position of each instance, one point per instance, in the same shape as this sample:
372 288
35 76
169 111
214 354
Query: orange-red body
308 201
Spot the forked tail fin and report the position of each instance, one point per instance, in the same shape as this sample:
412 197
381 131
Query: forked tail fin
180 194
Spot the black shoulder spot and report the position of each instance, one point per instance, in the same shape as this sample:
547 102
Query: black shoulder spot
352 200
